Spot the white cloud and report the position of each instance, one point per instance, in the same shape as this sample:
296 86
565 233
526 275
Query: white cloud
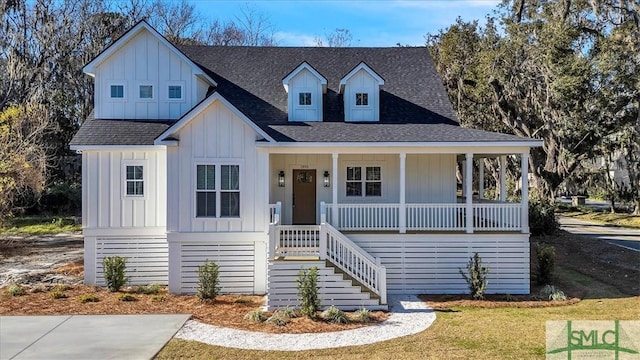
288 38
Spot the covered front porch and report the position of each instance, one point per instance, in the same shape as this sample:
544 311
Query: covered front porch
403 192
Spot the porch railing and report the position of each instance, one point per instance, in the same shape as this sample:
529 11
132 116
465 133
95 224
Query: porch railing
497 216
353 260
447 217
424 217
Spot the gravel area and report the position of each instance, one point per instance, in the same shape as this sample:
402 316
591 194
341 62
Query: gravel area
409 315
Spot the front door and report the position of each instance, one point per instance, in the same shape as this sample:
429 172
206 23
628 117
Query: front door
304 197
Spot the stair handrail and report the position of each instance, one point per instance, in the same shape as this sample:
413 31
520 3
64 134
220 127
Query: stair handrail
358 264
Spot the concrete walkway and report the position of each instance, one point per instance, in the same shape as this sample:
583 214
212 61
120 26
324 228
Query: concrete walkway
627 238
409 315
86 336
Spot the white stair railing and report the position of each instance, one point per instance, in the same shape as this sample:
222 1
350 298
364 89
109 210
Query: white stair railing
274 220
353 260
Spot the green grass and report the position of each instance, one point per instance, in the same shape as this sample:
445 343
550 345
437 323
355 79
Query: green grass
40 225
460 332
600 216
466 333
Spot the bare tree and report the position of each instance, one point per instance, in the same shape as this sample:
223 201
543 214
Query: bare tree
336 38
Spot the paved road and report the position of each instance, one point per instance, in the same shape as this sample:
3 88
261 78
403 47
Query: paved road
624 237
86 336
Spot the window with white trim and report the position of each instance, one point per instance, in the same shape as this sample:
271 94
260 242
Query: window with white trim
362 99
205 191
368 185
304 98
116 91
145 92
134 180
175 92
217 190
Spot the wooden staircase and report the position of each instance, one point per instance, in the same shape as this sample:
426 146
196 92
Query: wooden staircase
335 287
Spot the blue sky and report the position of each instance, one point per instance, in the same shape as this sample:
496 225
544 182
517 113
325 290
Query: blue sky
372 23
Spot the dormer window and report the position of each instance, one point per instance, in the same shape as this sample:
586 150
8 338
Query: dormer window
305 86
304 99
361 94
362 99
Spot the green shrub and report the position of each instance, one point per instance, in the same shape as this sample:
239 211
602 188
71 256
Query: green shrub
363 315
546 260
510 298
85 298
255 316
308 292
552 293
542 217
115 272
208 281
289 312
15 290
58 294
278 319
127 297
151 289
476 277
335 315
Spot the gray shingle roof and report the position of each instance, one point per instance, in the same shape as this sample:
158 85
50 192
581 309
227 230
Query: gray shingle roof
251 79
119 132
414 106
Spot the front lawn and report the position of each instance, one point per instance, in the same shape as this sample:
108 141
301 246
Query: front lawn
40 225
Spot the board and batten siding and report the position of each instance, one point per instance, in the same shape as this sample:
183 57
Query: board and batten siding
144 60
216 136
305 82
430 178
104 204
429 263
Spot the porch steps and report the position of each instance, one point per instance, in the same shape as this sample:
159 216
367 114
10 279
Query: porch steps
335 288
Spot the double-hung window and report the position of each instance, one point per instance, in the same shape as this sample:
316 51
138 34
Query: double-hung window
217 190
304 98
362 99
116 91
134 178
368 185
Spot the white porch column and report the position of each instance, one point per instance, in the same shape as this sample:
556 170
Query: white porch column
464 177
334 191
402 216
481 178
468 192
525 192
503 178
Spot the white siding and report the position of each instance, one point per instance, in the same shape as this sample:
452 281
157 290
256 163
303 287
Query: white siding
305 82
144 60
431 178
216 136
362 82
429 263
105 206
147 258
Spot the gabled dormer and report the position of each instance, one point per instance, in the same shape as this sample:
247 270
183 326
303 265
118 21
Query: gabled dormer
360 89
305 87
143 76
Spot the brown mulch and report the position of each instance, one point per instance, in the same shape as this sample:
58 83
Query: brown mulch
227 310
441 302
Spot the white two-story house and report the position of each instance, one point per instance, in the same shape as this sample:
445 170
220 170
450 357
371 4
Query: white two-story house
267 160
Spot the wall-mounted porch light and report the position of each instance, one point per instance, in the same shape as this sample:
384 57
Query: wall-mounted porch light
281 179
326 180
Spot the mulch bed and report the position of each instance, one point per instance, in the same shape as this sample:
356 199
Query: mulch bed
442 302
227 310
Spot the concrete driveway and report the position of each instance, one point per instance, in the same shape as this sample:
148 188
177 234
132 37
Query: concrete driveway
627 238
86 336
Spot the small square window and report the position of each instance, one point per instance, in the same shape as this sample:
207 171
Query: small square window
362 99
146 91
305 98
175 92
117 91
